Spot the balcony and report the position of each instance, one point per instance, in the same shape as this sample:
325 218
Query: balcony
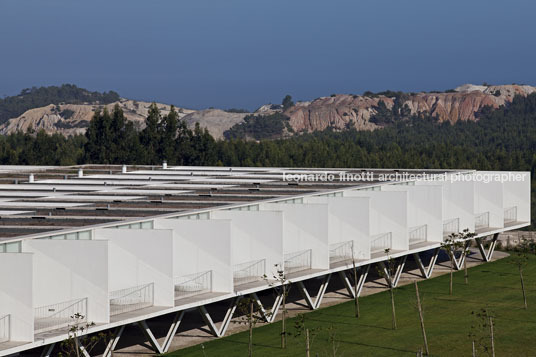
381 242
60 315
418 234
339 252
510 215
451 226
193 284
5 328
131 299
298 261
481 220
249 272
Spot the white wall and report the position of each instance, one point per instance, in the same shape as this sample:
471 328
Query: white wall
138 257
388 213
199 246
65 270
458 202
16 294
517 193
425 207
305 227
256 235
489 198
348 220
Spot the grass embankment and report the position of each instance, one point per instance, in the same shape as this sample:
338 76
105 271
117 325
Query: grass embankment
448 321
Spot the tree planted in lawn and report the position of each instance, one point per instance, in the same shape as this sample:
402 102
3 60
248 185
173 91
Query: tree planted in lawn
388 271
520 259
250 316
284 284
451 246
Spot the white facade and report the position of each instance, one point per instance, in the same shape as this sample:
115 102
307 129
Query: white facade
425 211
16 298
388 219
305 232
164 264
201 246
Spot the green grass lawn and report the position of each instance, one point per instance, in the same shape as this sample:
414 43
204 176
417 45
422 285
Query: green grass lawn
448 320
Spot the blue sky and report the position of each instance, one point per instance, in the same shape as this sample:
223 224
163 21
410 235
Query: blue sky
246 53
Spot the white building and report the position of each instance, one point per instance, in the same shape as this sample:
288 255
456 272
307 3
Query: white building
121 246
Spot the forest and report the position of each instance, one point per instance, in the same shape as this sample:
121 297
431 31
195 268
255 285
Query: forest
502 139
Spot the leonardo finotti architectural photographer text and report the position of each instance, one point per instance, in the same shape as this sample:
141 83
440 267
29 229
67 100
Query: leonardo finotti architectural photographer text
371 176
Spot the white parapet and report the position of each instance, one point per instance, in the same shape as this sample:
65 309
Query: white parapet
425 211
16 297
458 203
201 246
256 242
140 265
305 234
388 219
516 198
69 277
348 226
489 207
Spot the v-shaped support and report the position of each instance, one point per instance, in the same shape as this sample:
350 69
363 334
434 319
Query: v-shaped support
268 316
47 351
360 280
314 304
486 256
426 271
150 337
110 347
219 332
393 280
458 262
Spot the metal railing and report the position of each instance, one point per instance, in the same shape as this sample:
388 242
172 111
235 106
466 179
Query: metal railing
451 226
482 220
131 299
341 251
60 315
5 328
297 261
510 214
248 272
418 234
381 242
193 284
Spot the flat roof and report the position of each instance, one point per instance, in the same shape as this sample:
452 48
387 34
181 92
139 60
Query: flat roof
37 200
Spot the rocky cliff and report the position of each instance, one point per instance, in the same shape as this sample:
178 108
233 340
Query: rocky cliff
69 119
342 111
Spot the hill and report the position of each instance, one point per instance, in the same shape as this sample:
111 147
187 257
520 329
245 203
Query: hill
29 98
70 119
68 109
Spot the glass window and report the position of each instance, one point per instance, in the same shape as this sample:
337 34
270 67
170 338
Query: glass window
71 236
84 235
13 247
147 225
